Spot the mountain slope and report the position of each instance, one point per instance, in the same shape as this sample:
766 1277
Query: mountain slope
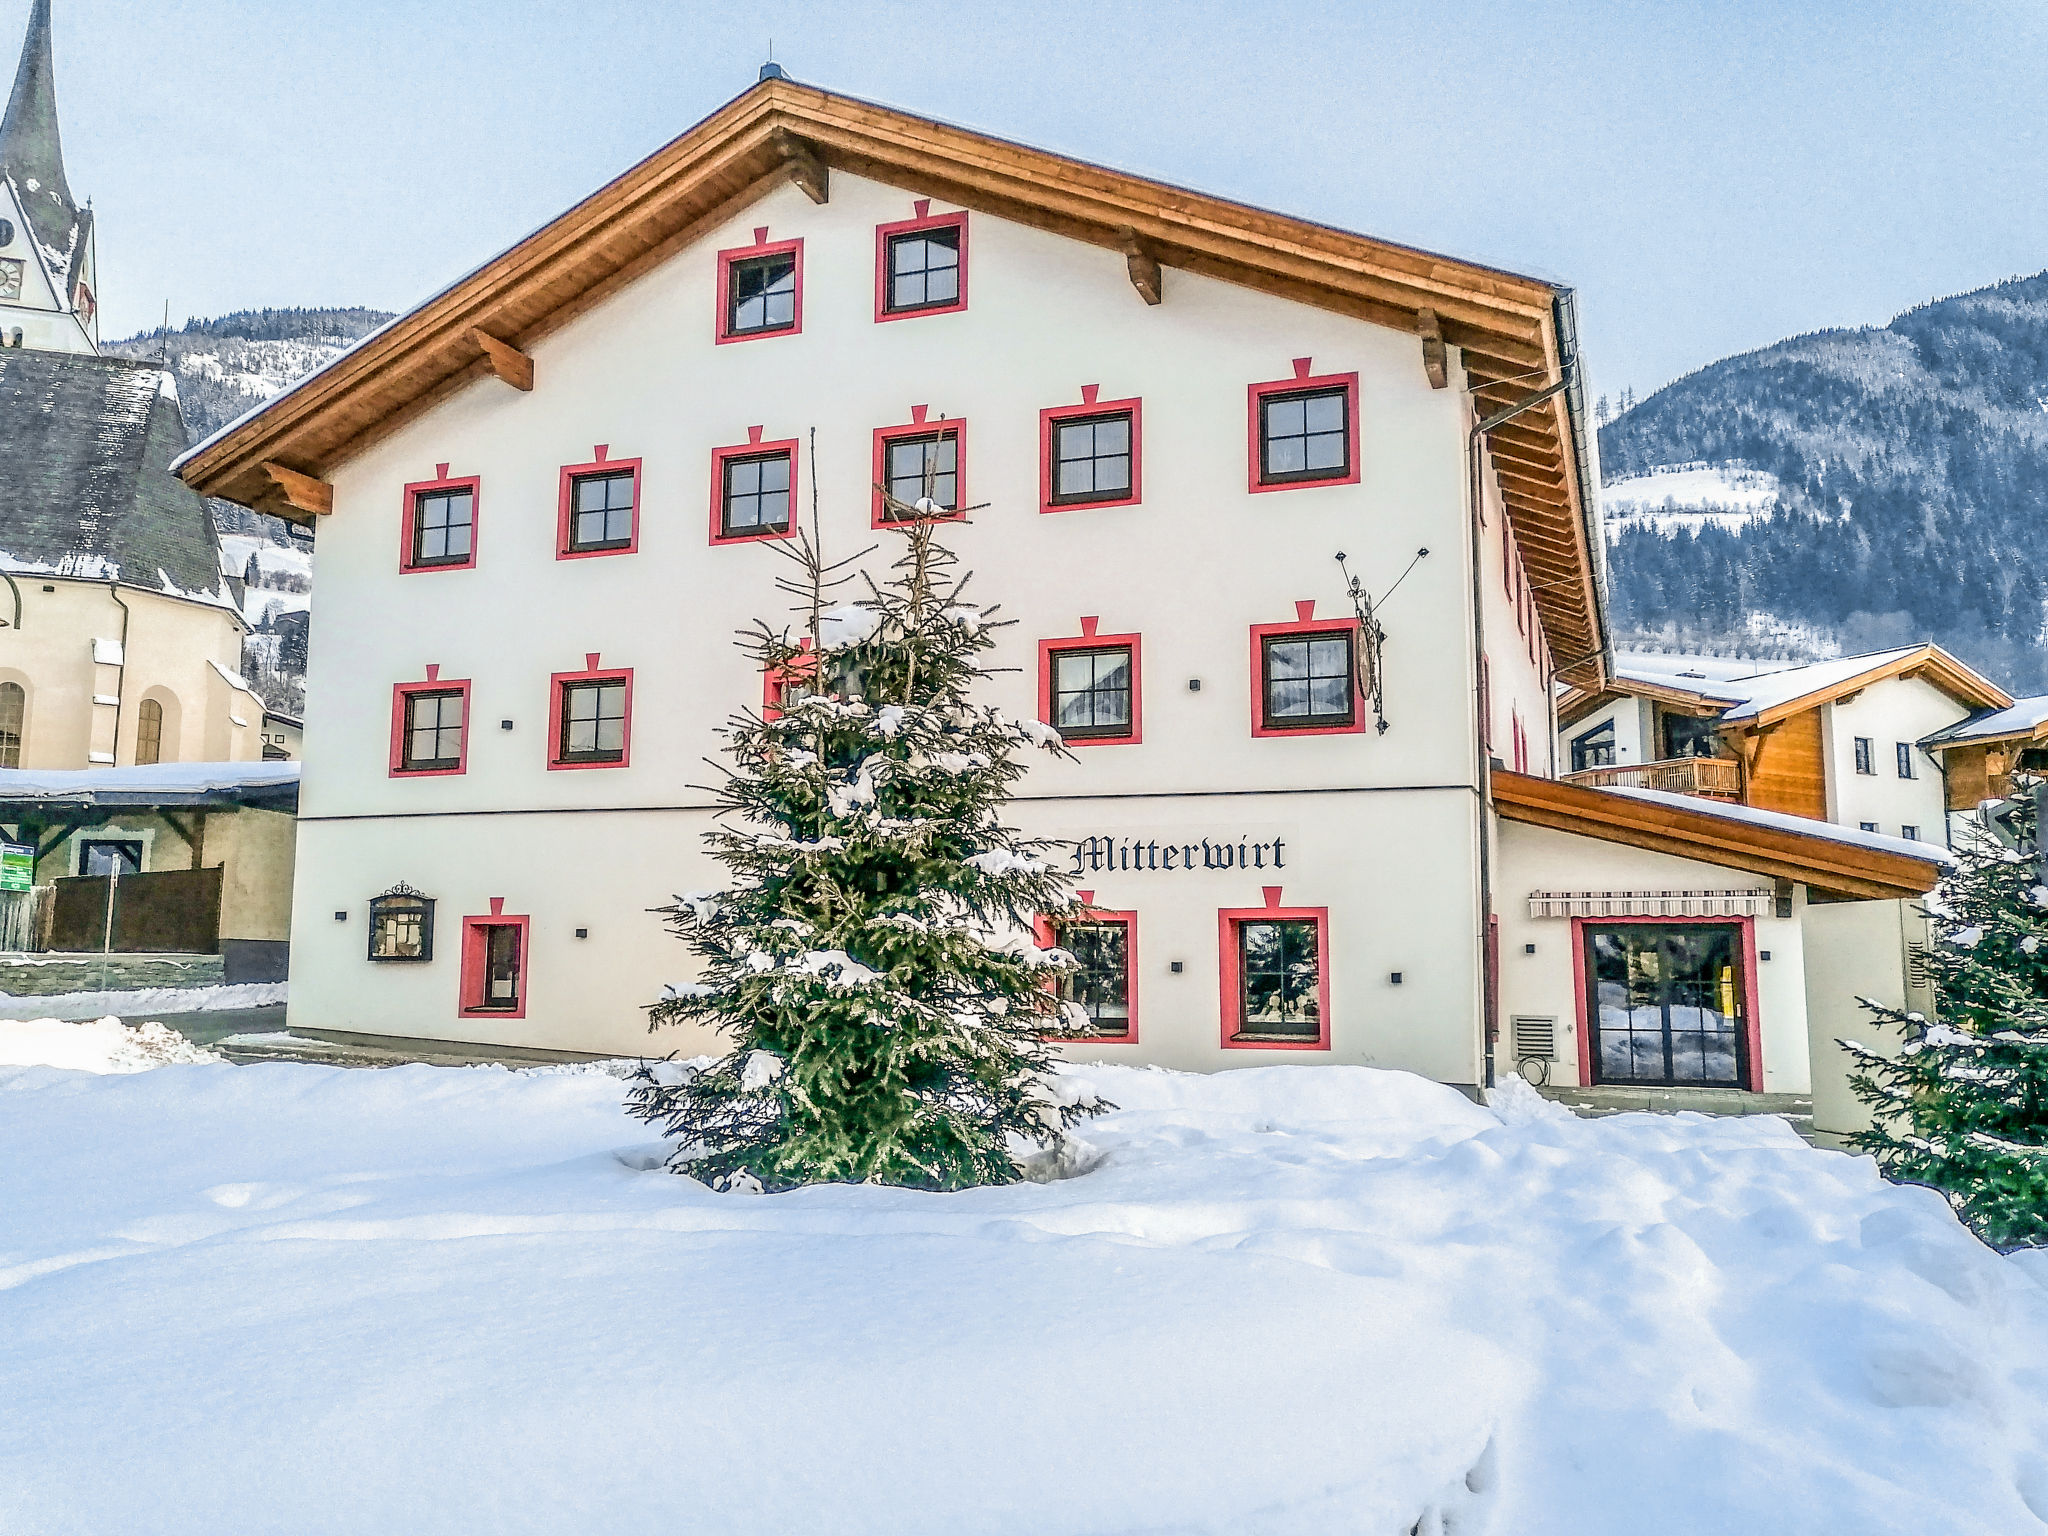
1854 488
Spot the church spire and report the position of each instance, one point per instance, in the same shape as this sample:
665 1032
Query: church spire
31 155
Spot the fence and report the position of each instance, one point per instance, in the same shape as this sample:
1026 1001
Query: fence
25 919
170 911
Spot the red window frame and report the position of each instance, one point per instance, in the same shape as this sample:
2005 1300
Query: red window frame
601 463
1045 932
752 448
1303 381
442 481
1305 623
921 424
760 247
591 673
1090 640
400 692
1752 1023
1050 418
468 1004
923 218
796 669
1227 923
1485 704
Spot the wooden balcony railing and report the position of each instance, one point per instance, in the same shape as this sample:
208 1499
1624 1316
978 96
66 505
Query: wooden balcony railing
1717 778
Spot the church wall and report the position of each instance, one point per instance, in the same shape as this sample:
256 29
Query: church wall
170 642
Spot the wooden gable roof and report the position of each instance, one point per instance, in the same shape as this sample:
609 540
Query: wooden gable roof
1513 332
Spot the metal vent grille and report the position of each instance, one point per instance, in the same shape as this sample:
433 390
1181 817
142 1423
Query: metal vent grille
1917 975
1535 1037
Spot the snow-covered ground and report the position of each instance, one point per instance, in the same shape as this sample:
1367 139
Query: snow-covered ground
137 1001
1689 496
289 1298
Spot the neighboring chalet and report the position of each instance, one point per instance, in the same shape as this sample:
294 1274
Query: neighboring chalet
1851 740
567 472
1979 756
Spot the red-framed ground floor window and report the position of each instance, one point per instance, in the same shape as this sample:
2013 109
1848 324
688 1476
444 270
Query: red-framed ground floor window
1104 981
494 964
1275 976
1668 1002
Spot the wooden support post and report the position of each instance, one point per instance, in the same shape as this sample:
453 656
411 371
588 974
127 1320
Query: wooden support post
1434 364
804 167
301 491
506 360
1144 268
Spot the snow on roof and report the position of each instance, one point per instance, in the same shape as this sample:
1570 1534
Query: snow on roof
1778 821
172 780
1750 690
2024 716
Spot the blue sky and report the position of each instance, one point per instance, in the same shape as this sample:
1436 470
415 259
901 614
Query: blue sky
1711 177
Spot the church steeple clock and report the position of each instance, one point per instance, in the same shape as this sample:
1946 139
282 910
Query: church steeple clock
47 278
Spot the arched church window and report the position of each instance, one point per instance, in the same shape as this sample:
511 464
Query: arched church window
149 732
13 709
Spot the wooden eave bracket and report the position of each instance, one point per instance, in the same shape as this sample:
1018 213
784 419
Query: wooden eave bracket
1435 362
804 167
504 359
301 492
1144 267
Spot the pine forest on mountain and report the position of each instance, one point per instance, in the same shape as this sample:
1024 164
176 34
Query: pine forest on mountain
1911 463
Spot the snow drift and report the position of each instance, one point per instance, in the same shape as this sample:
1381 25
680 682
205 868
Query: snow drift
289 1298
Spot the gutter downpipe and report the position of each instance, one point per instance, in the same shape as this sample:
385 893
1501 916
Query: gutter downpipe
1569 386
8 577
120 671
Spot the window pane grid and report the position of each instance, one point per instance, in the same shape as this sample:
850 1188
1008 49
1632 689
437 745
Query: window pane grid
601 508
1308 681
593 722
433 730
1091 692
756 495
761 295
1092 459
1279 966
1305 436
907 460
1100 983
443 526
924 269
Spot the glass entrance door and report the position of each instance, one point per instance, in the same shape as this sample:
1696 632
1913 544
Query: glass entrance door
1667 1004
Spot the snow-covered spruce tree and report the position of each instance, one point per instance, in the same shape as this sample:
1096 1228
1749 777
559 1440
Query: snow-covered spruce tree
869 957
1963 1107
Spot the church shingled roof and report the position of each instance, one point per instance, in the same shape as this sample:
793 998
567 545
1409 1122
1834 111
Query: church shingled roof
32 155
85 482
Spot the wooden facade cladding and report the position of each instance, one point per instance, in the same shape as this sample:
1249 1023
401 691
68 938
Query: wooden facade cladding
1506 327
1787 766
1829 865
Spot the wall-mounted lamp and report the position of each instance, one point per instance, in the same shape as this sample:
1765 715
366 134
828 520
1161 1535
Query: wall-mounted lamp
504 725
1177 966
341 917
1395 979
582 933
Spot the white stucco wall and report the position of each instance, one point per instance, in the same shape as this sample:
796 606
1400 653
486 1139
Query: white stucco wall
1858 949
1895 710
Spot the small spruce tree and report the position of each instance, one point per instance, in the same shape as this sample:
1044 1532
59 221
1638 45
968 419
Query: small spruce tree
1963 1107
869 956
